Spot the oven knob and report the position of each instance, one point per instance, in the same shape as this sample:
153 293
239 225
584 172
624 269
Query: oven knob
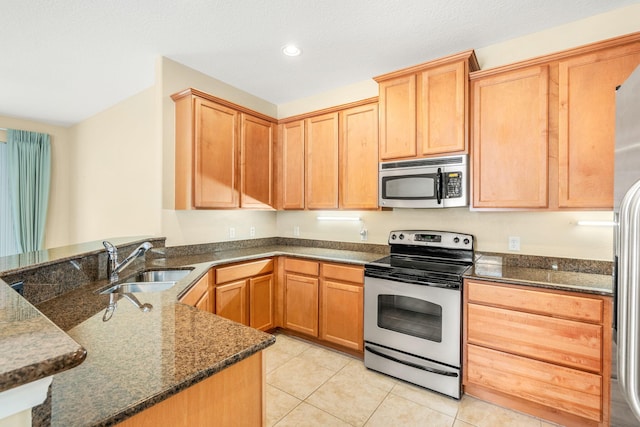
466 241
401 236
456 239
393 237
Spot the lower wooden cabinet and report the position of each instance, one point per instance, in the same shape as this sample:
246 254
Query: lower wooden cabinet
199 294
325 301
245 293
543 352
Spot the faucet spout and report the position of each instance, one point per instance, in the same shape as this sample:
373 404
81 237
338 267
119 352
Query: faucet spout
113 266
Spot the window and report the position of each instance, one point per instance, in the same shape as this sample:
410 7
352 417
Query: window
7 234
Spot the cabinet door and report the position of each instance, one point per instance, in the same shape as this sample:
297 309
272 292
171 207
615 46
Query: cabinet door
231 301
341 314
261 299
216 173
322 161
204 303
441 109
587 107
397 99
292 169
359 157
256 162
301 304
198 295
510 139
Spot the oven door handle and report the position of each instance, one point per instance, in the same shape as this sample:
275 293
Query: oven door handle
413 365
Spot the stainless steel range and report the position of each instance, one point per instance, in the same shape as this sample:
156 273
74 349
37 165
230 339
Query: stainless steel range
412 308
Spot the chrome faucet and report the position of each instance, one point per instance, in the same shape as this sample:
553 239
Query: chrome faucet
113 266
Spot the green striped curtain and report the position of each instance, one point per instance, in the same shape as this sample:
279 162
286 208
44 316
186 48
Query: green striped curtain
29 177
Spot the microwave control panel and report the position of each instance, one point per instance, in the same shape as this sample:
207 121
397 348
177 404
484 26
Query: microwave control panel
452 185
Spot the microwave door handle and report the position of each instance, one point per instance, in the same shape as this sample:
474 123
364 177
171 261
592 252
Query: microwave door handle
439 186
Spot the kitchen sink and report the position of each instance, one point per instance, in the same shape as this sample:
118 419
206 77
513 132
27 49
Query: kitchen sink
136 287
172 275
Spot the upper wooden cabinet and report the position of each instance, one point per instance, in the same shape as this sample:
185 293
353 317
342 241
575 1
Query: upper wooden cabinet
329 160
510 128
423 109
224 154
543 130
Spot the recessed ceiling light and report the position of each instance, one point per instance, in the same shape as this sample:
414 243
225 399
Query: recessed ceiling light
291 50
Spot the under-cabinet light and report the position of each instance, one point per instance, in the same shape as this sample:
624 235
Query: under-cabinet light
597 223
338 218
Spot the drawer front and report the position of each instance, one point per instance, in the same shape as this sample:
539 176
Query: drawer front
345 273
570 390
295 265
561 341
242 271
535 301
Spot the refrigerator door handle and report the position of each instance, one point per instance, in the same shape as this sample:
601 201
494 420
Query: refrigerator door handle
629 296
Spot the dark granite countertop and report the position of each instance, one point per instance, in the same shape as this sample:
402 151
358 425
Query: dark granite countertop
137 359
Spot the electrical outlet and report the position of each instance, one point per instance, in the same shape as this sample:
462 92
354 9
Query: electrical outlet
232 232
252 231
514 243
296 230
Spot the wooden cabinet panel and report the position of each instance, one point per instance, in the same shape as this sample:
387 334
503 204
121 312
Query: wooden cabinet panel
586 141
342 314
397 100
256 162
570 390
292 165
442 109
216 174
533 301
301 304
359 158
510 139
198 295
243 270
322 162
231 301
560 341
302 266
261 301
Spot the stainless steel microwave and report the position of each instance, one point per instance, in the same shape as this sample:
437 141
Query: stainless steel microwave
437 182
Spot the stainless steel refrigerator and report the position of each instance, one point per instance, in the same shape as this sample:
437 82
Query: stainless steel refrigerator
625 385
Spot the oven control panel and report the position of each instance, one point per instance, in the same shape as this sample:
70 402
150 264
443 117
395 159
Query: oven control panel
444 239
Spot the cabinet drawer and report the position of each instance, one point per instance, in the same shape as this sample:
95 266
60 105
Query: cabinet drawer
561 341
301 266
534 301
346 273
570 390
196 292
241 271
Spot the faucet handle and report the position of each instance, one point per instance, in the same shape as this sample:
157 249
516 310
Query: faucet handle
109 247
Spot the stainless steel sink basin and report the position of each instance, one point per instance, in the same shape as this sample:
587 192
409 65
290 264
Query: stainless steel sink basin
159 275
136 287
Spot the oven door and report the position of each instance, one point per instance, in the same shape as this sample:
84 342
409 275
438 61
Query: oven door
416 319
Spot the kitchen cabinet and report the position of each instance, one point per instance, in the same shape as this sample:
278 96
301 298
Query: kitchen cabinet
325 300
341 307
224 154
510 139
245 293
321 176
424 108
199 295
539 351
329 159
237 389
301 287
543 129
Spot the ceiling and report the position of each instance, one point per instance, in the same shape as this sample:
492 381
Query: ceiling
64 61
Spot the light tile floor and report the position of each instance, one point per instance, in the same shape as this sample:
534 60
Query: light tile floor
308 385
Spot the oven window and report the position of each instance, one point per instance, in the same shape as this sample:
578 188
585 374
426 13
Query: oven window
412 187
410 316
